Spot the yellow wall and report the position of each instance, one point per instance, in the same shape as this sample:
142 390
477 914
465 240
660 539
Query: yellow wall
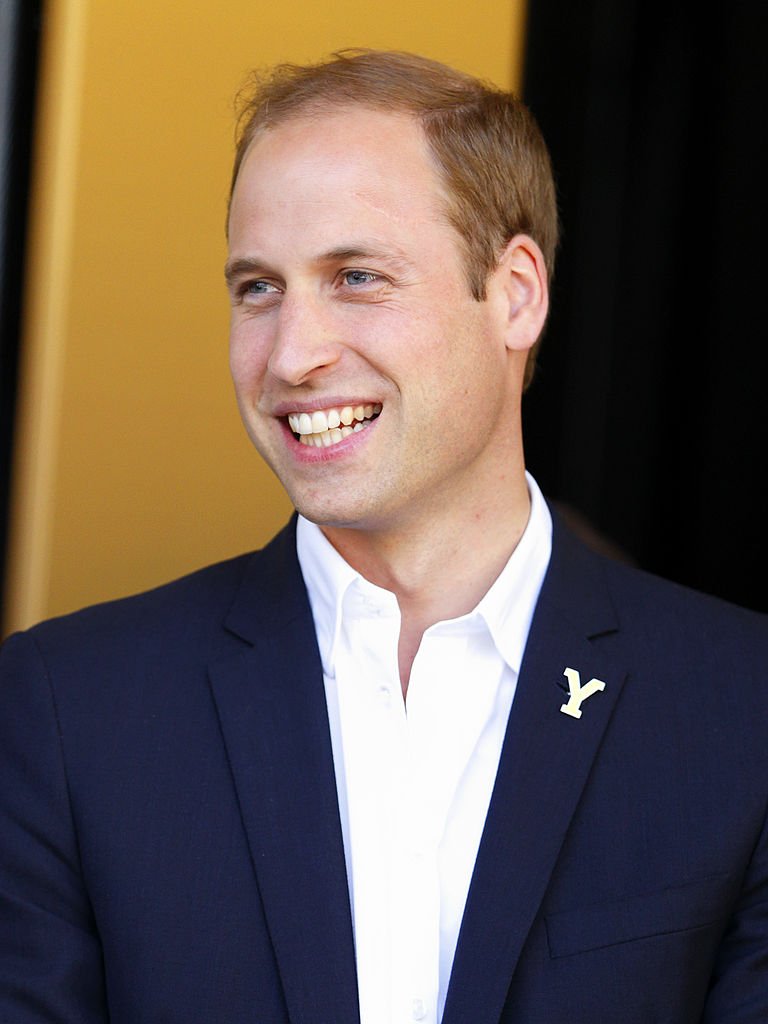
131 465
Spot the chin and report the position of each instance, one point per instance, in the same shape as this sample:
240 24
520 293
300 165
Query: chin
321 515
329 514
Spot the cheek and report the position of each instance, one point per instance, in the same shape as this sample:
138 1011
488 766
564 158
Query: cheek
248 357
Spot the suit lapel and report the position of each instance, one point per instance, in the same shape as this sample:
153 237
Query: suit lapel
545 762
271 704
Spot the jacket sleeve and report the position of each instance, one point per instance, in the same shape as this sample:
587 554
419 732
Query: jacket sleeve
739 990
50 955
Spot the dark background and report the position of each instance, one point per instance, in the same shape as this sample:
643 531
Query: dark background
647 415
19 47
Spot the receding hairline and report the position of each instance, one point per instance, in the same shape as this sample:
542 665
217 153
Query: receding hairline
317 109
367 77
388 80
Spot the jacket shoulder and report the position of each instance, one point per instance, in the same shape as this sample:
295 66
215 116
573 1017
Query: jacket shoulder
188 614
671 606
661 616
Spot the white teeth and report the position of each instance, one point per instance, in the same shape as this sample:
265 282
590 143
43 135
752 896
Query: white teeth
325 427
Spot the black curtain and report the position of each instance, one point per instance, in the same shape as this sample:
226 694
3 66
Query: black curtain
648 414
19 47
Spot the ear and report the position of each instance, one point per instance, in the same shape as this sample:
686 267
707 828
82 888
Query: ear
518 289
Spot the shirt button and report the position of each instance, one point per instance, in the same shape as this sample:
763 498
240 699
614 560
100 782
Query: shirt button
385 697
418 1009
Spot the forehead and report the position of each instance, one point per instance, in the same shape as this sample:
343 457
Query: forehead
350 162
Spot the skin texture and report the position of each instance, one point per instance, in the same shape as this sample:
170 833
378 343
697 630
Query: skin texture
348 287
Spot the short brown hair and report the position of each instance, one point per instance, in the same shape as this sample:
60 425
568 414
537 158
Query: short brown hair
489 151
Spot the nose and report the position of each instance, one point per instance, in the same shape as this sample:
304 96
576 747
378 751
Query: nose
305 342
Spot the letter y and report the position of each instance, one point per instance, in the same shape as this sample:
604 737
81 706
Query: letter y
578 693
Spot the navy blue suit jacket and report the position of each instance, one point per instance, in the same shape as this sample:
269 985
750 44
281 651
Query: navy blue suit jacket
170 846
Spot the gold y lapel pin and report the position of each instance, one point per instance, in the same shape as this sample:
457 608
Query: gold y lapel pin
577 693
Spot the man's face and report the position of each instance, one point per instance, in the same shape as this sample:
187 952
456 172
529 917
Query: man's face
378 390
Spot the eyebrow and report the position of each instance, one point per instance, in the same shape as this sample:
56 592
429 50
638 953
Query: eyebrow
242 265
359 251
364 251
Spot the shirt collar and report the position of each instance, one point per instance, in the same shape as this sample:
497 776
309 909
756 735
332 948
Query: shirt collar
506 609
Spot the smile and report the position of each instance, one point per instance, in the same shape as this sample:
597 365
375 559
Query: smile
326 427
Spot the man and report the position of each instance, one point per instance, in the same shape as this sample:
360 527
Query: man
424 757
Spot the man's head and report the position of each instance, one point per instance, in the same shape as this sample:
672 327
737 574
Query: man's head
488 150
380 388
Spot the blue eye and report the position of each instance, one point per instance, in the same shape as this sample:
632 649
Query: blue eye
260 287
356 277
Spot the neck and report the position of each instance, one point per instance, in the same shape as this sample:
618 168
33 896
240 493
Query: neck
441 569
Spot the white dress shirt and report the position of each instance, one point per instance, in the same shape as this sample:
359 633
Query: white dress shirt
414 779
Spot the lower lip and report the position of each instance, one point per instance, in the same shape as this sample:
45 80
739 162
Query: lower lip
310 454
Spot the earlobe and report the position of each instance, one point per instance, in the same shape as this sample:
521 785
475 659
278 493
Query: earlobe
520 279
